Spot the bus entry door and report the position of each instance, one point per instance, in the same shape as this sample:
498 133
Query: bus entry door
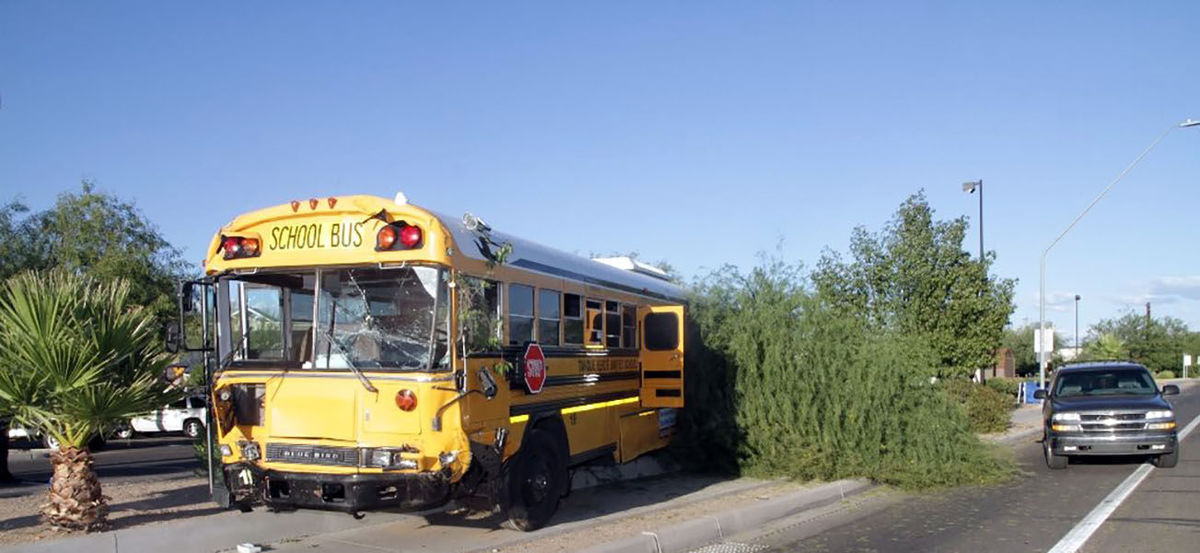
661 355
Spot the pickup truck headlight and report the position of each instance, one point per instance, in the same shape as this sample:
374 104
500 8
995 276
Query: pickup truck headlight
1163 414
1065 417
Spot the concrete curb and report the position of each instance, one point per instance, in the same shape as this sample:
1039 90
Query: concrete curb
698 532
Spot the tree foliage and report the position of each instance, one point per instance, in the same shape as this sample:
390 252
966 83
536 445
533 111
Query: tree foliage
809 390
95 234
1020 341
915 279
1157 343
79 357
1105 347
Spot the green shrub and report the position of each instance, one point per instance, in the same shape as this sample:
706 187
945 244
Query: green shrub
1165 374
802 390
1007 386
987 408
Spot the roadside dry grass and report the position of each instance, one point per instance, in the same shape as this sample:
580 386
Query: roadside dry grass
130 504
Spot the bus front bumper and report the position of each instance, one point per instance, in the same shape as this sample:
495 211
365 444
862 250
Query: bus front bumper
342 492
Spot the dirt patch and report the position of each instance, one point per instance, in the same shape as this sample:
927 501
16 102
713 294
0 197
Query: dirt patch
130 504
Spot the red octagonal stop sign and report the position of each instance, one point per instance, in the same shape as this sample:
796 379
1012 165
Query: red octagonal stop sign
534 368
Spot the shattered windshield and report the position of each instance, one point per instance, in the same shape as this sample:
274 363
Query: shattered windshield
365 318
381 318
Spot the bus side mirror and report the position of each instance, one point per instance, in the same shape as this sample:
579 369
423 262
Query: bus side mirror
173 337
1170 390
173 374
487 383
185 297
1039 394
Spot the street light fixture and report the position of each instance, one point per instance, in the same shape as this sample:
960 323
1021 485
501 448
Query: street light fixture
1043 354
970 187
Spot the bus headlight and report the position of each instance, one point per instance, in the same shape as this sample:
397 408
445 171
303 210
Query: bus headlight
390 459
250 451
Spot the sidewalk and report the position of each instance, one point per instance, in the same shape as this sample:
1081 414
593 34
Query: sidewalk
618 515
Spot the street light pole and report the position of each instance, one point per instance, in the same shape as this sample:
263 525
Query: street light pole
1077 325
1042 354
971 187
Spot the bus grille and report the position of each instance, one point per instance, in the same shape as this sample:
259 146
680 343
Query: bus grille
313 455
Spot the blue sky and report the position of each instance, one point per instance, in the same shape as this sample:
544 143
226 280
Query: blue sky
696 133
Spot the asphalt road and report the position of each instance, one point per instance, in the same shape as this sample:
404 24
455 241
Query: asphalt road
1031 514
119 461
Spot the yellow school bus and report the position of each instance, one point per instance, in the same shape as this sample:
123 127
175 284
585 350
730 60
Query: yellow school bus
373 354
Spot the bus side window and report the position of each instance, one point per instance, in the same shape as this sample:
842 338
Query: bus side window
595 322
572 319
479 314
612 324
520 314
548 310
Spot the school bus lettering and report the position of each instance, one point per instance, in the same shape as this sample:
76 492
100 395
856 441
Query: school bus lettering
608 365
352 373
315 236
345 235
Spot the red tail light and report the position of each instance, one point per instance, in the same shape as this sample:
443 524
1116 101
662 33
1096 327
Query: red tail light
399 236
410 236
239 246
406 400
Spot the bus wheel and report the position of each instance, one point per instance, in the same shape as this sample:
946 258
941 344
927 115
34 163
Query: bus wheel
536 482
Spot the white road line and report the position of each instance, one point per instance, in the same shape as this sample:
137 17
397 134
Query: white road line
1079 535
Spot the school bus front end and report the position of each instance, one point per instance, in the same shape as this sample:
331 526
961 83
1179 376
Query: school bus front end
321 440
332 320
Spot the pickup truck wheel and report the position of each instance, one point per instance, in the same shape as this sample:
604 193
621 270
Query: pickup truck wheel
124 433
1053 461
193 428
1167 460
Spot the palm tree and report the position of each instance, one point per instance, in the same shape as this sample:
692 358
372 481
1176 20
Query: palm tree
78 359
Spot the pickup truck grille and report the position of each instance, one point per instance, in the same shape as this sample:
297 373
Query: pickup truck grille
313 455
1114 427
1112 422
1113 416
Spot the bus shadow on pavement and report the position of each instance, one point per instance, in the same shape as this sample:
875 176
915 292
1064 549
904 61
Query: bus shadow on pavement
589 503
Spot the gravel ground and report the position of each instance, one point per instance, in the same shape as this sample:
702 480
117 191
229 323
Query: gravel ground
130 504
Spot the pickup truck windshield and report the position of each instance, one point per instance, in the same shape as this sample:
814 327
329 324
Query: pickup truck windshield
1106 382
363 318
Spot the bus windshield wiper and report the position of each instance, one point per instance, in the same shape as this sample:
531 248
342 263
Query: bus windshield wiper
346 355
228 360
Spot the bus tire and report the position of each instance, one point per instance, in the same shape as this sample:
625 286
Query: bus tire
535 482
